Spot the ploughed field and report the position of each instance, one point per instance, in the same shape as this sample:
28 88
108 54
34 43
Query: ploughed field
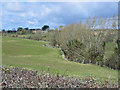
34 55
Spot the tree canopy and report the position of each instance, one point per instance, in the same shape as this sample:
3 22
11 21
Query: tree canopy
45 27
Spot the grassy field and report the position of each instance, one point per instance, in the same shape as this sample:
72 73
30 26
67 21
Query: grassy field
33 55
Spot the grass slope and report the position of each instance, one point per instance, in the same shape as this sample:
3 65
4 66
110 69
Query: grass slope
33 55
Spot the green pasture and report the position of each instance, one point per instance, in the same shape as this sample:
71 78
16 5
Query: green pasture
33 55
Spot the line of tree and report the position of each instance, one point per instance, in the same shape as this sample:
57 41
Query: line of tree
22 31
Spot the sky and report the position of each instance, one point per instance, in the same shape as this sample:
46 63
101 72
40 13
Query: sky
54 14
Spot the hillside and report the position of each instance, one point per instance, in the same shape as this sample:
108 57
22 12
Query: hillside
33 55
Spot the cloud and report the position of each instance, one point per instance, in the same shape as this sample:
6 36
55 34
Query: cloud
36 14
45 10
60 0
30 22
17 7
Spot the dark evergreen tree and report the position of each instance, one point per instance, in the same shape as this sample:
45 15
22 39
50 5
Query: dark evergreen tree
45 27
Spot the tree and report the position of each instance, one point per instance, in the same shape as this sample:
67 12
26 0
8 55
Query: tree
3 31
26 28
60 27
45 27
19 29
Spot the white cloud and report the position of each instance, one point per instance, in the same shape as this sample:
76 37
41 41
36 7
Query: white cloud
22 14
30 22
60 0
33 21
12 20
44 10
30 14
53 14
16 6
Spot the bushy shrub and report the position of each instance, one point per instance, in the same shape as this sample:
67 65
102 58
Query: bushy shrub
80 43
113 62
85 43
53 37
37 36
